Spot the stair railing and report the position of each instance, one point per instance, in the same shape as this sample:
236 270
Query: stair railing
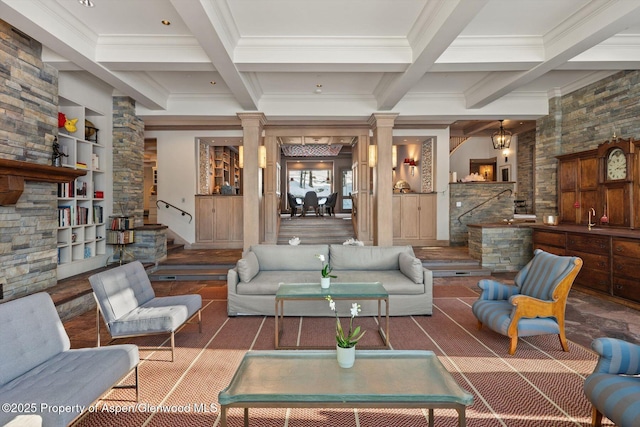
169 205
495 196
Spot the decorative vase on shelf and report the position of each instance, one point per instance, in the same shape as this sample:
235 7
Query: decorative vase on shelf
346 356
325 282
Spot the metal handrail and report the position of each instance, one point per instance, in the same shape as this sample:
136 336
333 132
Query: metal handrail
495 196
168 205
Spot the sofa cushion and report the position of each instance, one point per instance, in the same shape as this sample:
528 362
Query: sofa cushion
292 258
122 290
248 267
166 314
74 379
31 333
345 257
411 267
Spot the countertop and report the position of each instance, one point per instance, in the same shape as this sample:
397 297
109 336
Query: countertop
598 230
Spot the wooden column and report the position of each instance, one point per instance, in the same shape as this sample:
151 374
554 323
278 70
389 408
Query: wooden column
252 124
271 178
382 126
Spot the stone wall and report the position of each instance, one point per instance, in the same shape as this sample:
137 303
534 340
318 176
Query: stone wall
581 121
524 159
482 202
128 160
28 125
501 249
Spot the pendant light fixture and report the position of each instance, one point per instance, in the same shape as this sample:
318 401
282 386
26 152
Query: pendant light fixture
501 139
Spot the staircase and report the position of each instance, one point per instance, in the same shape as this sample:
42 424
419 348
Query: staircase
456 268
313 229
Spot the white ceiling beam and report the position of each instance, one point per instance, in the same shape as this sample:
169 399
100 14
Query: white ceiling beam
593 24
213 27
439 23
71 39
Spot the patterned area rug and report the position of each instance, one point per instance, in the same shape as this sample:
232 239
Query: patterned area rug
539 386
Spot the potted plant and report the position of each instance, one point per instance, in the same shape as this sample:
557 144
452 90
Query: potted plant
346 342
325 280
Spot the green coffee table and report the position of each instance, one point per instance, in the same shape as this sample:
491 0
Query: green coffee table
338 291
313 379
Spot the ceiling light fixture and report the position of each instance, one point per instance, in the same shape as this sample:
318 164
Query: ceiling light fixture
86 3
213 82
501 139
164 21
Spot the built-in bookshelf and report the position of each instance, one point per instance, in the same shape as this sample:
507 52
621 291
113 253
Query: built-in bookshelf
225 167
81 203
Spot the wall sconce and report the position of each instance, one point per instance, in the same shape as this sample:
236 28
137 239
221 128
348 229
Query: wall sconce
241 157
412 166
394 156
262 157
505 153
373 156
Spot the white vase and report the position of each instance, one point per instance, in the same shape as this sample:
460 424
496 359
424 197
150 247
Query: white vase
325 282
346 356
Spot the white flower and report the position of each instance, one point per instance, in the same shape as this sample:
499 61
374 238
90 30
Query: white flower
332 305
320 257
355 309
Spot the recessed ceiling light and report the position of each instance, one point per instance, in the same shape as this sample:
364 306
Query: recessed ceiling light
166 22
212 82
86 3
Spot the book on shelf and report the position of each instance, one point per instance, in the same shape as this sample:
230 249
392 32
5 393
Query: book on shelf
95 162
66 189
120 223
98 215
81 165
120 237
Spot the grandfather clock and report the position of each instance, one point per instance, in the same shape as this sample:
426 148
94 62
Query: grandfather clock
616 178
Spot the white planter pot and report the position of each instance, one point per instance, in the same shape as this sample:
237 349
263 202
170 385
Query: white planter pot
325 282
346 356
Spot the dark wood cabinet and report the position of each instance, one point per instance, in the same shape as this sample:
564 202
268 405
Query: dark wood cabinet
577 186
610 257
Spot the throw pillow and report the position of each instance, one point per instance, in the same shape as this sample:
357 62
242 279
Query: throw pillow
248 267
411 267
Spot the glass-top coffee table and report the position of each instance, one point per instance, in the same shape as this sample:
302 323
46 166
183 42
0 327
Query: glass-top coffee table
338 291
313 379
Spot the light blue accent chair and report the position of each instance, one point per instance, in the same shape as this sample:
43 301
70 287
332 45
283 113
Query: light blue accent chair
614 386
535 305
130 307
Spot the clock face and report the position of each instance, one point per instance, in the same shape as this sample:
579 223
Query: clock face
616 164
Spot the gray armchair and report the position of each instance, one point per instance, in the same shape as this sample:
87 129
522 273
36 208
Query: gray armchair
130 307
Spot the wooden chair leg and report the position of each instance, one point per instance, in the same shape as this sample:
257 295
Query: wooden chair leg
513 345
479 325
596 417
563 341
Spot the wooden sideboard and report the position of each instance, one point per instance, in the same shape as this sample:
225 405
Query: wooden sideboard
414 218
219 222
611 257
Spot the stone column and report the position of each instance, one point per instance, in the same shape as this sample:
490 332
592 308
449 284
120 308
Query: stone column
252 125
382 126
128 160
548 146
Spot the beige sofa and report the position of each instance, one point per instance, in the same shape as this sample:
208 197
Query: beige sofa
253 282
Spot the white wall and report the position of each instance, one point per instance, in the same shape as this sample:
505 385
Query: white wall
177 164
440 173
481 148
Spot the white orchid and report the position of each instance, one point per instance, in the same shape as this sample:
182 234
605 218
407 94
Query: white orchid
354 335
326 270
355 309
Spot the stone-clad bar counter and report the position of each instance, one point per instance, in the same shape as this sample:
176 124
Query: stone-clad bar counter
504 246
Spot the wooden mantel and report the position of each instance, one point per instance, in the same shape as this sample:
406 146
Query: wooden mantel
13 174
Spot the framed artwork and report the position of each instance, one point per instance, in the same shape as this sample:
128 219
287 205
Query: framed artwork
505 173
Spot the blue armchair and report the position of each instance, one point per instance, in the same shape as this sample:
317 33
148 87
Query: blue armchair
614 386
535 305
